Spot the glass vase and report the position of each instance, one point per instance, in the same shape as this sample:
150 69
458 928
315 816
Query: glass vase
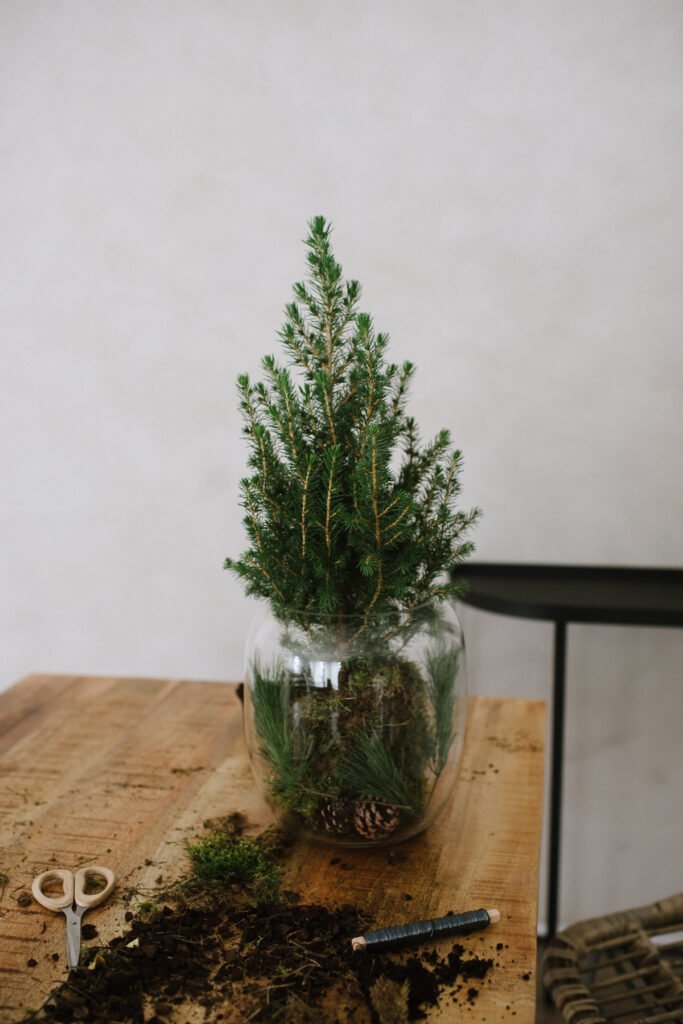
355 724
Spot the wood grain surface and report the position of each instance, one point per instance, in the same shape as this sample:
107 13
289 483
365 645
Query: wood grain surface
124 772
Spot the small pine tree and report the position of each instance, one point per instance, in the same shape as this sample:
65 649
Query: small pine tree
345 510
348 514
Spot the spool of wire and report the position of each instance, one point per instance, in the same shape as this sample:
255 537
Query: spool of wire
399 935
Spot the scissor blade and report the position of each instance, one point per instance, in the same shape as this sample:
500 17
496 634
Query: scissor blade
73 935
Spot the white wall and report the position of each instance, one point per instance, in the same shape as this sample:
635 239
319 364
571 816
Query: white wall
506 181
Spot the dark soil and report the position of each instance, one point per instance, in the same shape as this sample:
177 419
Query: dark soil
204 953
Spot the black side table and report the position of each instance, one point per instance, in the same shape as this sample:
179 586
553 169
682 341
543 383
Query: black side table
564 594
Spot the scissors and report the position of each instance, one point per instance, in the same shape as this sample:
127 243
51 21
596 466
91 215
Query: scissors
74 887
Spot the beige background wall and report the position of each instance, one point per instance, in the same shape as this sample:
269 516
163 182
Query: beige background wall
506 181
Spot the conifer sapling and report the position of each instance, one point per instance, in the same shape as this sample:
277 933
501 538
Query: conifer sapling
353 524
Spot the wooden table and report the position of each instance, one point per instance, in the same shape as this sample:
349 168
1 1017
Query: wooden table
124 771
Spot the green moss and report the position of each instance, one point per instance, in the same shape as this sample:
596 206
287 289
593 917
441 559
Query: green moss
235 860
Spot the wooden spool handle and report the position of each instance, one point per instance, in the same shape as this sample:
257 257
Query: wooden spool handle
84 899
54 902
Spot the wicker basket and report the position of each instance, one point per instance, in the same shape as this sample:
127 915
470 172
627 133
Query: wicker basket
610 969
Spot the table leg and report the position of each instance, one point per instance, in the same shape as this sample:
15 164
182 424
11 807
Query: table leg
559 674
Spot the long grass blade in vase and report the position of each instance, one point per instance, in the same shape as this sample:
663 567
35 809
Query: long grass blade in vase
442 663
372 771
287 759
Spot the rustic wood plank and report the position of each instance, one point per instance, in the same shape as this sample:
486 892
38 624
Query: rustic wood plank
124 771
482 852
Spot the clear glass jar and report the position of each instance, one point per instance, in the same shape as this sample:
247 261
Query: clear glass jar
355 724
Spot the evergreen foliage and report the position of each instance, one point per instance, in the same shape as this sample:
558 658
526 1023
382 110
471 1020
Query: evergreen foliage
289 764
370 768
345 510
442 669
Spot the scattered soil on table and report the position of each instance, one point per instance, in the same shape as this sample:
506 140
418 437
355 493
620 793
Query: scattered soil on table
209 951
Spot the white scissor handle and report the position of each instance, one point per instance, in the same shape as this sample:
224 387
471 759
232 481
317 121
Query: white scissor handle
54 875
84 899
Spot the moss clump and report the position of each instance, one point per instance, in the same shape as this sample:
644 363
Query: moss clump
238 860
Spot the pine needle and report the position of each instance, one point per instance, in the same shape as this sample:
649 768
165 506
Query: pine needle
288 761
371 770
442 669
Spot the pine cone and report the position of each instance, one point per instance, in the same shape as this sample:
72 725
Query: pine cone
375 820
335 815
